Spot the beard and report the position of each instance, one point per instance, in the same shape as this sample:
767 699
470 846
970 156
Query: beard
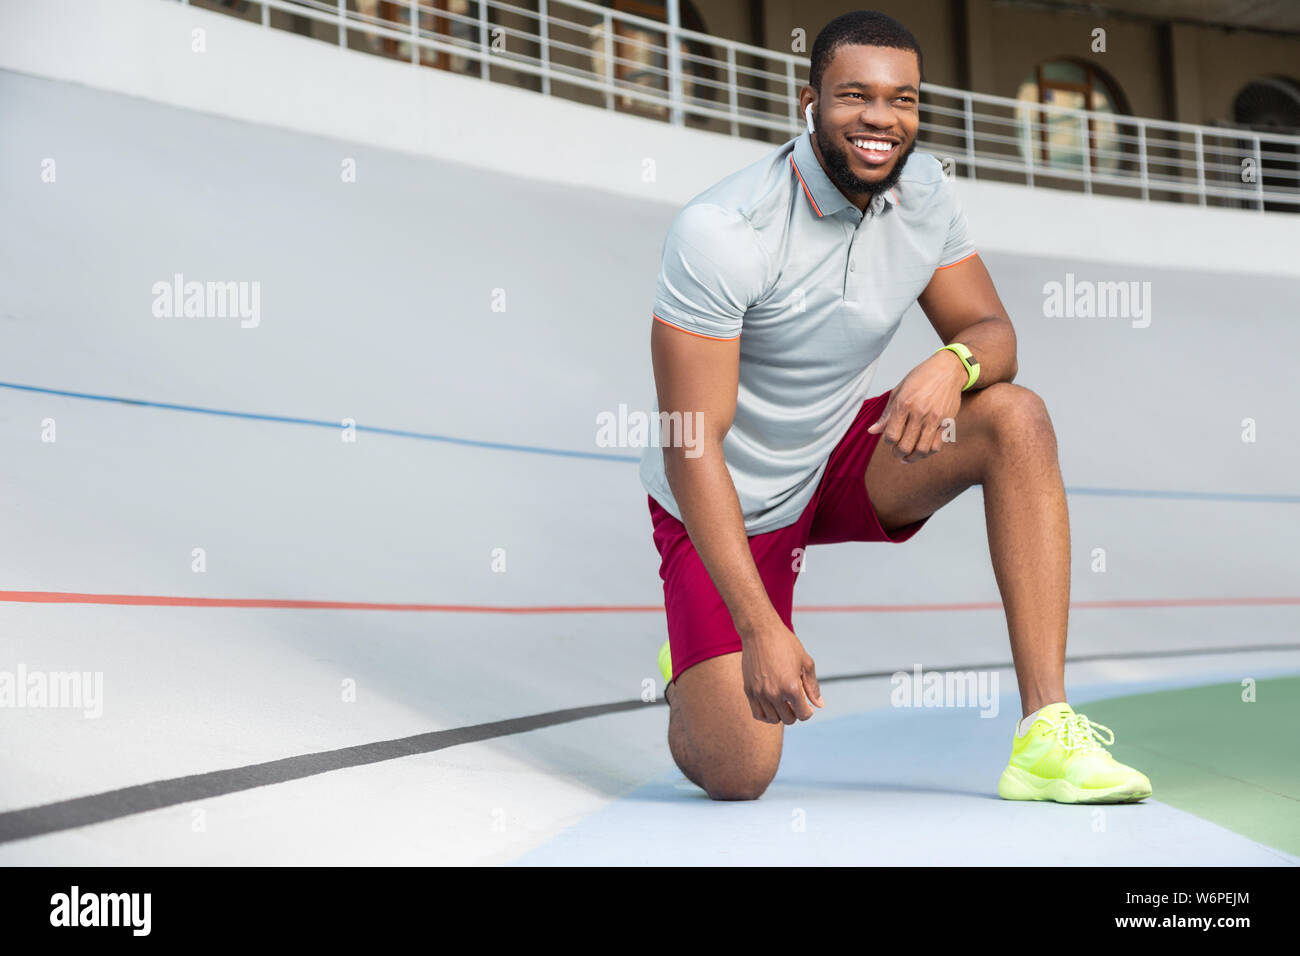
842 175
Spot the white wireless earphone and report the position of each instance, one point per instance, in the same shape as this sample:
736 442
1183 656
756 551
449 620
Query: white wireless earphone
807 113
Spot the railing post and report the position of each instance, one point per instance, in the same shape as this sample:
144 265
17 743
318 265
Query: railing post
1087 155
343 19
674 62
1259 174
610 48
266 15
543 33
789 79
970 135
1143 171
415 32
1200 165
734 96
1029 146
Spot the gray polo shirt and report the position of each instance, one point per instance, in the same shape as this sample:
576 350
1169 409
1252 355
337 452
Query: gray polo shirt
776 255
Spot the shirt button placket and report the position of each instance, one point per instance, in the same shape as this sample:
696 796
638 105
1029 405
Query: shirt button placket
850 233
848 274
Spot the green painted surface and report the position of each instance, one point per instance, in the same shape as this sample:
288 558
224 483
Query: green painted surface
1210 753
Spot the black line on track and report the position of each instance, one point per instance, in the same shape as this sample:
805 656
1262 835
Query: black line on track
141 798
62 815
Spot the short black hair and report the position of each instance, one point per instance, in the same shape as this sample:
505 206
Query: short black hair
862 27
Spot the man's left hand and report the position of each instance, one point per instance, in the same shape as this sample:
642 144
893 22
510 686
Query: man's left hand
914 417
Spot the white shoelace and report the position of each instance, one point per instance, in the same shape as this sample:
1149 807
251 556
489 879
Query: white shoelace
1077 732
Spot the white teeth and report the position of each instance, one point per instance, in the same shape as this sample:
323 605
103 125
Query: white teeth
878 145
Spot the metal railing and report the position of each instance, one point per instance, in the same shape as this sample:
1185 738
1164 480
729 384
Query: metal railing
593 54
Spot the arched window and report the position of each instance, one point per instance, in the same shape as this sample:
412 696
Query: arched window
1270 102
1058 139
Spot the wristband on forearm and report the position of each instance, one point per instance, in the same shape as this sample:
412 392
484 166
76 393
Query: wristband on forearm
972 367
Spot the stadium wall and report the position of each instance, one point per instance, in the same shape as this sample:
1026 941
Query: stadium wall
145 48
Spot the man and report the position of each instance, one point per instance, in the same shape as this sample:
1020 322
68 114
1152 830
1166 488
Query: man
780 287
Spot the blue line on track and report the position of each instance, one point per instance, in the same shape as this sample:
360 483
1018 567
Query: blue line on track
1185 495
599 456
320 423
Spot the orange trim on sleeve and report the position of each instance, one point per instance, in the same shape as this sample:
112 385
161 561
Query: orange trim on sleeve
711 338
957 263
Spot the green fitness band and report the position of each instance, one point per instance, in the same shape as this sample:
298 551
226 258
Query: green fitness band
963 353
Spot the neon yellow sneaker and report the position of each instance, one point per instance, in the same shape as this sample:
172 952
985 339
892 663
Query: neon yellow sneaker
1061 758
666 664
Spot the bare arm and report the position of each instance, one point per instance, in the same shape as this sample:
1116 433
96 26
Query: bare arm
963 306
695 374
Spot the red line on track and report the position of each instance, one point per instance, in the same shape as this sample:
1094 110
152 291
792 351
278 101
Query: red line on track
153 600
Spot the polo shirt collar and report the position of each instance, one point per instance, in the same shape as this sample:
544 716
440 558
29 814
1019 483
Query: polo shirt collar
824 197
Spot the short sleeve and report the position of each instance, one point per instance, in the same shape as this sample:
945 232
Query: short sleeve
713 270
957 246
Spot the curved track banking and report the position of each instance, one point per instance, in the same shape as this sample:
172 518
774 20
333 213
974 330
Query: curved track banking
243 586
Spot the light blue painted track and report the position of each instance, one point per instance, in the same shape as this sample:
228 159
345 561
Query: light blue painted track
899 787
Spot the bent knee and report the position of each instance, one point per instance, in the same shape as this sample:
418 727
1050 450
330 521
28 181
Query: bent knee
736 784
1013 411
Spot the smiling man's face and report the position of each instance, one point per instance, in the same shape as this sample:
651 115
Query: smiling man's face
866 118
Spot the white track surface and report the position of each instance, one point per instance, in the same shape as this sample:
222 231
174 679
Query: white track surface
376 306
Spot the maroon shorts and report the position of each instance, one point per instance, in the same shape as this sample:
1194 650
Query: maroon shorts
699 624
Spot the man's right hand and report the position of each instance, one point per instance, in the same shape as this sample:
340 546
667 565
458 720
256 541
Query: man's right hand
780 679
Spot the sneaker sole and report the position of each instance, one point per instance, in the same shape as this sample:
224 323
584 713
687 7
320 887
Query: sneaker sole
1017 784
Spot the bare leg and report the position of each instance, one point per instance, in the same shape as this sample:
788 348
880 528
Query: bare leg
714 738
1006 443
